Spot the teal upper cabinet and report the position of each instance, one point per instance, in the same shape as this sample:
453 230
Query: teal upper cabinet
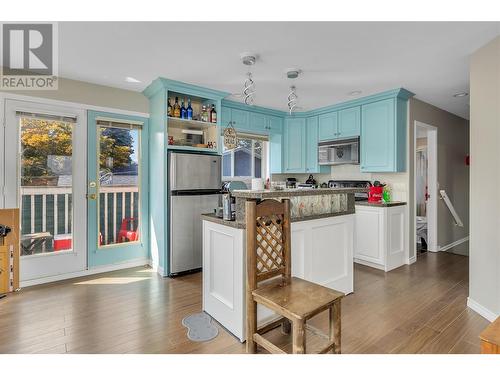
312 138
301 146
383 136
294 144
349 122
240 119
340 124
328 124
258 122
225 116
275 124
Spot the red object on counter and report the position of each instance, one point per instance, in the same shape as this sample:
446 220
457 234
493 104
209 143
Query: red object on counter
62 242
375 193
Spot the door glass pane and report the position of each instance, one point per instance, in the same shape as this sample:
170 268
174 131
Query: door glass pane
118 177
46 186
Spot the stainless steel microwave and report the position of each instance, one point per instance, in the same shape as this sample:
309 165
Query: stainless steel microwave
339 151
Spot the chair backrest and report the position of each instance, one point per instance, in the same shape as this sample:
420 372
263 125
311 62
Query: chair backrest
268 241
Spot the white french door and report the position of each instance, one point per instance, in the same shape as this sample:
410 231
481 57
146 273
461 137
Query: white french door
45 176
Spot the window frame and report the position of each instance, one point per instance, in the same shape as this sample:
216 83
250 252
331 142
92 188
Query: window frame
264 165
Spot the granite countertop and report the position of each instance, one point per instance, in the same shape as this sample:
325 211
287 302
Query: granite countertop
380 204
264 194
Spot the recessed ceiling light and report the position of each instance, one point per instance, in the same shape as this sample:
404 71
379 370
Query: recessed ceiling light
132 80
355 92
460 94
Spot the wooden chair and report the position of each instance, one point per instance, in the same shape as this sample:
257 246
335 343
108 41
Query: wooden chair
269 282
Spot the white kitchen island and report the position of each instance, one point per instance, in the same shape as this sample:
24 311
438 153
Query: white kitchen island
322 252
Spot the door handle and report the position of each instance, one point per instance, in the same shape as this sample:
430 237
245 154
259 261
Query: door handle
92 196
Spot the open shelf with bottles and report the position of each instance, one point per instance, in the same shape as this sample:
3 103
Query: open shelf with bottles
192 122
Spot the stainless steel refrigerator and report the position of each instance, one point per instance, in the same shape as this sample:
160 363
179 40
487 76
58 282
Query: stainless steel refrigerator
194 187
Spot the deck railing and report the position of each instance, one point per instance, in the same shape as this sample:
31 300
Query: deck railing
48 209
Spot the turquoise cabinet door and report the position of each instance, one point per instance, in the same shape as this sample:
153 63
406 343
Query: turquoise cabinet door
328 126
240 119
349 122
275 153
275 124
258 122
312 144
225 116
295 145
377 142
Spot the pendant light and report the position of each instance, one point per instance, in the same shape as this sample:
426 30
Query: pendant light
292 97
249 60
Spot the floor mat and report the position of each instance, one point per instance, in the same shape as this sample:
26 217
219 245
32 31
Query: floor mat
200 327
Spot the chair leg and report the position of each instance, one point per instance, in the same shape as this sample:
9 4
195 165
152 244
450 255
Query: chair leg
299 337
251 327
335 326
286 327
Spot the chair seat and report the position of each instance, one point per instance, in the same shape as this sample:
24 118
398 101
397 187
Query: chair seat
300 299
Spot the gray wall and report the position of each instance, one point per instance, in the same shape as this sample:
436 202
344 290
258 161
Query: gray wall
88 93
484 269
453 174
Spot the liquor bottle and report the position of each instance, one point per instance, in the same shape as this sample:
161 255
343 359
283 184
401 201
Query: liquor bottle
177 108
169 108
204 114
213 115
189 110
183 110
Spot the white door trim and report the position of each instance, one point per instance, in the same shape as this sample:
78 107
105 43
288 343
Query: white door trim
433 184
2 153
34 267
55 102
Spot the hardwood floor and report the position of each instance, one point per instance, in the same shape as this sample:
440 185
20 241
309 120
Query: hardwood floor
414 309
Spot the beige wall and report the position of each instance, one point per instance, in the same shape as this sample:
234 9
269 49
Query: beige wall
88 93
453 174
484 270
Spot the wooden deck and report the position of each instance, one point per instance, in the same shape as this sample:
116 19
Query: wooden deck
414 309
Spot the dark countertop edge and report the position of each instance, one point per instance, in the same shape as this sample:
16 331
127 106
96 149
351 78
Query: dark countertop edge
218 220
371 204
237 225
259 194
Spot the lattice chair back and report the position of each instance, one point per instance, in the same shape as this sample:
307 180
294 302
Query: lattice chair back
268 240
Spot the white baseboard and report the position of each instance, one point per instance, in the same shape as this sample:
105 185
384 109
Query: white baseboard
157 268
369 264
453 244
92 271
481 310
412 260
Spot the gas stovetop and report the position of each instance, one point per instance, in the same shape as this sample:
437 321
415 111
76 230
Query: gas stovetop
352 184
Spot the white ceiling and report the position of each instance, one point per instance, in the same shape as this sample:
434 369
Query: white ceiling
429 59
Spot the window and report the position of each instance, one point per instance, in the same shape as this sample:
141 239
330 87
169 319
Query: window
248 160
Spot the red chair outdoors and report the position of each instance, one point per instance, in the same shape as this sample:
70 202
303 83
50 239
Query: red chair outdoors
126 233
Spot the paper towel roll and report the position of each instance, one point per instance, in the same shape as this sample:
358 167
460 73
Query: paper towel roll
257 184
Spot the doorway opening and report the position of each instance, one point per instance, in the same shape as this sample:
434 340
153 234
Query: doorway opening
426 187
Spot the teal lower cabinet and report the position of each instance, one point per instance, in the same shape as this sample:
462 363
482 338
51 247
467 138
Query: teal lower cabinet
383 136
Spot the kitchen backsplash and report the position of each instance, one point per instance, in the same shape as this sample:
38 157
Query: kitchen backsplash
397 181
